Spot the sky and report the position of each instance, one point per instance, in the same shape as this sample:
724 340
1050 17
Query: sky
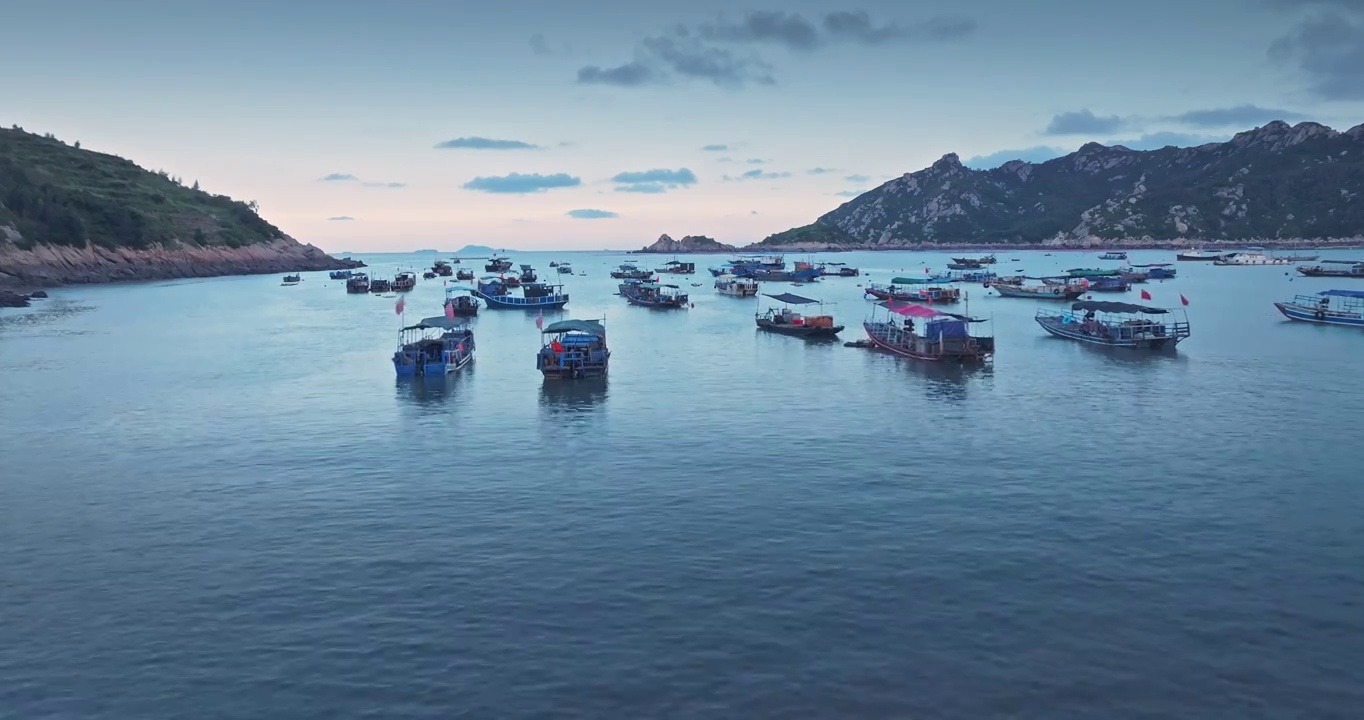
550 124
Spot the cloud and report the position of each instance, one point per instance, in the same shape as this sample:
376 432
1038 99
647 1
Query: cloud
752 212
858 26
539 45
631 74
384 184
517 183
1035 154
338 177
1084 122
646 188
1328 50
755 161
589 214
714 148
857 178
850 193
482 143
341 218
653 182
759 175
819 170
1158 140
1240 116
696 53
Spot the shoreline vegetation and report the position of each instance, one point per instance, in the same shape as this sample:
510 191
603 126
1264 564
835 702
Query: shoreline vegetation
70 215
1068 246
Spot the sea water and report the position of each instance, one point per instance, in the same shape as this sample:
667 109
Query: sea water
217 501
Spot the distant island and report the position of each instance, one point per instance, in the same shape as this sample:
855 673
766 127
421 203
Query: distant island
1276 185
475 250
69 215
688 244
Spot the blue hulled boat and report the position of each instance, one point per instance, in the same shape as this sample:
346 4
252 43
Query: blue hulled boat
573 349
1116 324
1158 271
536 296
1109 284
434 346
1348 308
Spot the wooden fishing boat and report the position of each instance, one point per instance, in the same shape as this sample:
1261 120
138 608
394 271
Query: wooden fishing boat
464 274
564 269
1049 289
1158 271
498 265
341 274
573 349
945 336
629 271
496 292
404 282
929 295
1108 284
987 260
291 280
1340 268
971 276
654 295
677 267
736 286
1091 272
1116 324
380 285
1200 256
442 268
1113 255
527 274
1252 256
927 279
1328 307
358 283
434 346
460 302
786 321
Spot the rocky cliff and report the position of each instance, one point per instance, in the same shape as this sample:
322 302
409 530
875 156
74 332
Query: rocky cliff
48 265
1274 183
688 244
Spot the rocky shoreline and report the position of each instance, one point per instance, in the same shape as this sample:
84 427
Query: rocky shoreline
1128 244
52 265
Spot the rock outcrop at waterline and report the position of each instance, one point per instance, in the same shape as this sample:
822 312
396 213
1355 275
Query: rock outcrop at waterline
688 244
48 265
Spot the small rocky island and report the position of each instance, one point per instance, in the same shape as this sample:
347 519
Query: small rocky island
688 244
69 215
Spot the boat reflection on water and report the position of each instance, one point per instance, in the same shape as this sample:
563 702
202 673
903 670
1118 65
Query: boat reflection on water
941 380
432 389
579 396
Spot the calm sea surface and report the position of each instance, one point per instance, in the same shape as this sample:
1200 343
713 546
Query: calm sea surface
217 502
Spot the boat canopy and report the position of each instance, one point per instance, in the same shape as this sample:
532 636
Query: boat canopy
439 322
920 311
792 299
591 327
656 286
1116 307
1343 293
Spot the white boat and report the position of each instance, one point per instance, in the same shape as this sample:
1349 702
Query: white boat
1253 256
1200 255
736 286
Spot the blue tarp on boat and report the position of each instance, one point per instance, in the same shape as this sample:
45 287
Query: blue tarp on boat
1343 293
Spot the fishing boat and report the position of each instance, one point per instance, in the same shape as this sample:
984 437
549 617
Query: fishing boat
1200 256
464 274
1091 272
1301 258
1113 255
341 274
292 280
1328 307
564 269
1158 271
460 302
945 336
655 295
789 322
512 280
1252 256
1342 268
573 349
1108 284
429 275
497 294
434 346
1049 289
927 279
987 260
528 274
629 271
843 270
442 268
807 274
357 283
380 285
980 276
1133 275
1116 324
736 286
677 267
963 266
498 265
930 295
404 281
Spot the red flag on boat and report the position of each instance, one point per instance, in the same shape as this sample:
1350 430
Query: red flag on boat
1145 295
925 271
1183 300
540 320
450 312
398 306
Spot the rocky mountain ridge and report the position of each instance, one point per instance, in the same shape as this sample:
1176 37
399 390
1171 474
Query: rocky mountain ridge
688 244
1276 183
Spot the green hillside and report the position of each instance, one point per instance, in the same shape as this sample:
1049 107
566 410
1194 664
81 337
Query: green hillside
59 194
